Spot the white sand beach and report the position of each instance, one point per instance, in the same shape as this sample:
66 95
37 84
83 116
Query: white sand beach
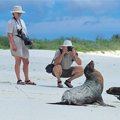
25 102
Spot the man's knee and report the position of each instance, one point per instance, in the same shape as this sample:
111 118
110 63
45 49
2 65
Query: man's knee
78 70
57 69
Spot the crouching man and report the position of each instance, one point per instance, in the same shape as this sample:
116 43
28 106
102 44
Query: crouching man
63 59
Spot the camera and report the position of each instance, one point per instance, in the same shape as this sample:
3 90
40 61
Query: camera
23 37
26 39
69 48
19 31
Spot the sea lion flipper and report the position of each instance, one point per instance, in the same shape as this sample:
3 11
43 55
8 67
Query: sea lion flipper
117 96
101 102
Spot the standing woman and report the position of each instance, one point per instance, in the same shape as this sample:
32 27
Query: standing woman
17 46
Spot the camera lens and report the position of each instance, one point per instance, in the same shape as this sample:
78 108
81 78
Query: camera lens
69 48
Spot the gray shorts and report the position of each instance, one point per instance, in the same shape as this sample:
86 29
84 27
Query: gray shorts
66 72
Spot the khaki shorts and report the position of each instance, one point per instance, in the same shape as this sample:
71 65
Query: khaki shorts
66 72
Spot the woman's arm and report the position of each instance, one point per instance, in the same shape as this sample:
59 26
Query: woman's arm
11 40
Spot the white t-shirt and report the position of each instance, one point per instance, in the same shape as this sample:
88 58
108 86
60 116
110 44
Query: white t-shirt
13 25
22 50
66 61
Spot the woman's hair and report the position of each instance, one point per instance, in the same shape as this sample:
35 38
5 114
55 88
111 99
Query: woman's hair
13 14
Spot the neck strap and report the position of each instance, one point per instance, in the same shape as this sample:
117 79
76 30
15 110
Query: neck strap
19 23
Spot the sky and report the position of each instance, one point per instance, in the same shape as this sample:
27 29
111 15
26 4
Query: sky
51 19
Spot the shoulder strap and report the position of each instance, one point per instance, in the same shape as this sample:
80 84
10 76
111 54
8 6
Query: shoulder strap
60 50
52 61
19 23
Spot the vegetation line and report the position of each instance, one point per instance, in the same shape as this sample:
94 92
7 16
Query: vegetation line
99 44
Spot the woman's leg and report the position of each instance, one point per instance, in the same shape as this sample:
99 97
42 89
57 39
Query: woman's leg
17 67
25 68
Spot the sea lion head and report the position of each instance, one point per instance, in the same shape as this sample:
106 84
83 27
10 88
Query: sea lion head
89 69
113 91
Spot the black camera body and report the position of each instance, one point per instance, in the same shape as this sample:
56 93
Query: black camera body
19 31
69 48
23 37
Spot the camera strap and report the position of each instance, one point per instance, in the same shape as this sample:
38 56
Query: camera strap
19 23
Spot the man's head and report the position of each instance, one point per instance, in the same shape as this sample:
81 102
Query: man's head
68 45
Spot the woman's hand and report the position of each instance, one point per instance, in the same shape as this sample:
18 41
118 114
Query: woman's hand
14 48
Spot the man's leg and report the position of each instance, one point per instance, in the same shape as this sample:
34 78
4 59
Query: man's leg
57 70
77 72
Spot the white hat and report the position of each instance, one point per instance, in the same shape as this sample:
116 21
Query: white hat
17 9
67 43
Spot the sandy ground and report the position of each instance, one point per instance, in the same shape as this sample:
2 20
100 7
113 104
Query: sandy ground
30 102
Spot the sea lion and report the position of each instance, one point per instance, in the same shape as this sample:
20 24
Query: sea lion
114 91
88 93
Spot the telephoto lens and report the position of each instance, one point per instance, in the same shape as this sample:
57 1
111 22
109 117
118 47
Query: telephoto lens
69 48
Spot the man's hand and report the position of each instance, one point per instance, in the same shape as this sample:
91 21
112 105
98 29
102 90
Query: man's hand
64 50
74 52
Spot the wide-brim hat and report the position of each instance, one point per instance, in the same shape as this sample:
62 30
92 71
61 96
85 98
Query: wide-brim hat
67 43
17 9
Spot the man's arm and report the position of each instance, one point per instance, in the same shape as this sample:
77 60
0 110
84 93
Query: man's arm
75 57
59 58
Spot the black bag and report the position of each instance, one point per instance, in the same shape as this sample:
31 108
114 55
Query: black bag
23 37
26 40
49 67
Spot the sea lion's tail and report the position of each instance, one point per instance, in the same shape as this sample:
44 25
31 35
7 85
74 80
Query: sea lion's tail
66 103
58 103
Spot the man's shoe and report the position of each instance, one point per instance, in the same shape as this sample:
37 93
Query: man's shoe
68 84
60 84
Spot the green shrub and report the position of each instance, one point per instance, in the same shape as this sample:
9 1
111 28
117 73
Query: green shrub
99 44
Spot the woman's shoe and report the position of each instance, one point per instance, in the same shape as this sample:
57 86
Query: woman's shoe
20 82
29 82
